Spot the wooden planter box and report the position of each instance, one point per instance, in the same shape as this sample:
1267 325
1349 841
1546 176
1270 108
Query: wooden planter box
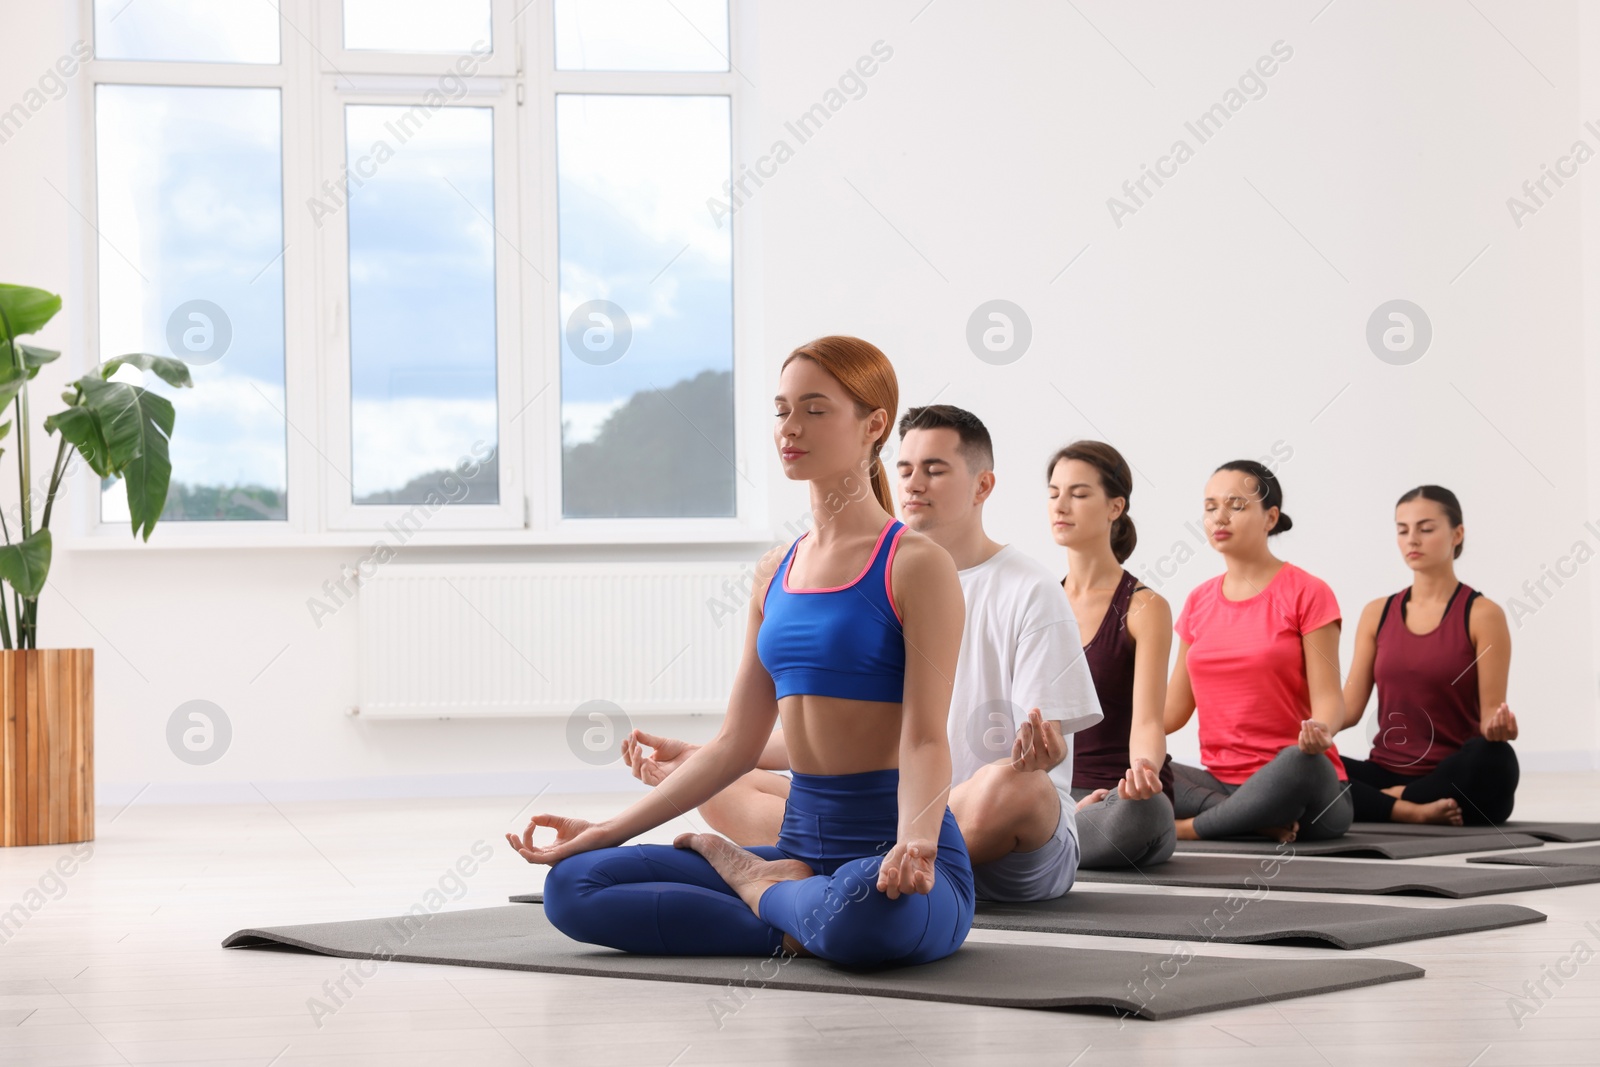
46 746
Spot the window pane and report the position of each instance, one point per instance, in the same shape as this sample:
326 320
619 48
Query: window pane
210 31
646 306
641 35
416 25
422 304
191 265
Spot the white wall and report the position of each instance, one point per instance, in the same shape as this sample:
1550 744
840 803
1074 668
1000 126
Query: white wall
1589 356
1224 317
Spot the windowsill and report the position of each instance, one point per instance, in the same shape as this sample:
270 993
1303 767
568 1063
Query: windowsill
121 539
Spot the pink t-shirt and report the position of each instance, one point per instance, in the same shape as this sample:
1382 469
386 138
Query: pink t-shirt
1248 671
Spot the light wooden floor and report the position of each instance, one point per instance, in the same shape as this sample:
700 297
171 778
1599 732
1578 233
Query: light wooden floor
122 964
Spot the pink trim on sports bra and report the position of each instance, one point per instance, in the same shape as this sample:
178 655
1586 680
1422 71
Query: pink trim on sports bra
888 573
787 588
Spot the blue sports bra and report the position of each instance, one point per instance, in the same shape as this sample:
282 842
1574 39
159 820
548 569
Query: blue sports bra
839 642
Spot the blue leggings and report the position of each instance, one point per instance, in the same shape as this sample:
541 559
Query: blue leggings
660 900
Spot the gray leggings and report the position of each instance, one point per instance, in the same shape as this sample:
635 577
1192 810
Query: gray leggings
1116 833
1294 787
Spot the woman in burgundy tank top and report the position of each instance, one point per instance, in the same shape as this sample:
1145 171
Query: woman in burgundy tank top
1120 768
1439 653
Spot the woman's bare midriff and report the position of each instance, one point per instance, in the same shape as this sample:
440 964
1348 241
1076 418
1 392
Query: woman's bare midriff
835 735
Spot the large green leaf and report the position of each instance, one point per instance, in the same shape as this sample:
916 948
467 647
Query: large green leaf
148 477
25 310
81 429
24 565
34 358
121 409
174 372
136 424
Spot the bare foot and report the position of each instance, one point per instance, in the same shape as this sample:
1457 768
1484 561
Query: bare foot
1185 829
747 873
1444 812
1393 791
795 948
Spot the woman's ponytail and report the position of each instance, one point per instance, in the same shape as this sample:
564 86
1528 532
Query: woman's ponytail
1116 481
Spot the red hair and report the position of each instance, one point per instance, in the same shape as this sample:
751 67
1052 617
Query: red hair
868 376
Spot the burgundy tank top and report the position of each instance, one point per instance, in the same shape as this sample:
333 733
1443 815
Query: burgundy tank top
1100 753
1427 686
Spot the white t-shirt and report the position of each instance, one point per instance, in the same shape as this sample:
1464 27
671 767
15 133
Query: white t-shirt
1020 649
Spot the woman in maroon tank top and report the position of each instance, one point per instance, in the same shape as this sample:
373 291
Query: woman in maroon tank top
1120 772
1439 653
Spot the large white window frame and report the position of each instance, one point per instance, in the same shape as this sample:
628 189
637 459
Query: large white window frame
334 57
498 95
316 79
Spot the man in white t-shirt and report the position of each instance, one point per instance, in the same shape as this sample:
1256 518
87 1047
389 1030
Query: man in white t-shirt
1022 685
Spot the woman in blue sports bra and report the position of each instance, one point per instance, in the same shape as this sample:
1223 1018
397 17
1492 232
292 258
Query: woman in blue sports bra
852 639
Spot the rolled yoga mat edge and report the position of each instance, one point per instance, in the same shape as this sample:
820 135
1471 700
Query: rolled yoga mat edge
1344 876
1251 921
1145 984
1335 924
1575 856
1368 844
1571 833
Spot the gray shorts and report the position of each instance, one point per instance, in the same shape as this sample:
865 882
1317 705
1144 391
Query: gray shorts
1043 874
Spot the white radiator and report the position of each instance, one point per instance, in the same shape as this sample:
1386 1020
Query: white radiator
500 639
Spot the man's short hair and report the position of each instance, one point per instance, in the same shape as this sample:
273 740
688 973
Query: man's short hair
976 446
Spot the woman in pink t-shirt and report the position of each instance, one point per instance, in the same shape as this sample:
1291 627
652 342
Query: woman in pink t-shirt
1258 656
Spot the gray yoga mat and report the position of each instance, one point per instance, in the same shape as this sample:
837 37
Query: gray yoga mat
1150 984
1581 856
1344 876
1381 846
1249 921
1569 832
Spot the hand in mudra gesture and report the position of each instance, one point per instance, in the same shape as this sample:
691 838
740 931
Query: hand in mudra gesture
1141 781
573 835
1502 725
1314 737
1094 798
667 755
908 867
1038 745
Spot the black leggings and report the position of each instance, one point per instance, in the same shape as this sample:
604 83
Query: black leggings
1482 776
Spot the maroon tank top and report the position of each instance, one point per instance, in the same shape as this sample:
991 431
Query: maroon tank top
1427 686
1100 753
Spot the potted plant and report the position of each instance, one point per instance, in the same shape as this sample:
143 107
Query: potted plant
47 695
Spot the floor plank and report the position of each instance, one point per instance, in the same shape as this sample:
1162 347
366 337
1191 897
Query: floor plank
119 962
